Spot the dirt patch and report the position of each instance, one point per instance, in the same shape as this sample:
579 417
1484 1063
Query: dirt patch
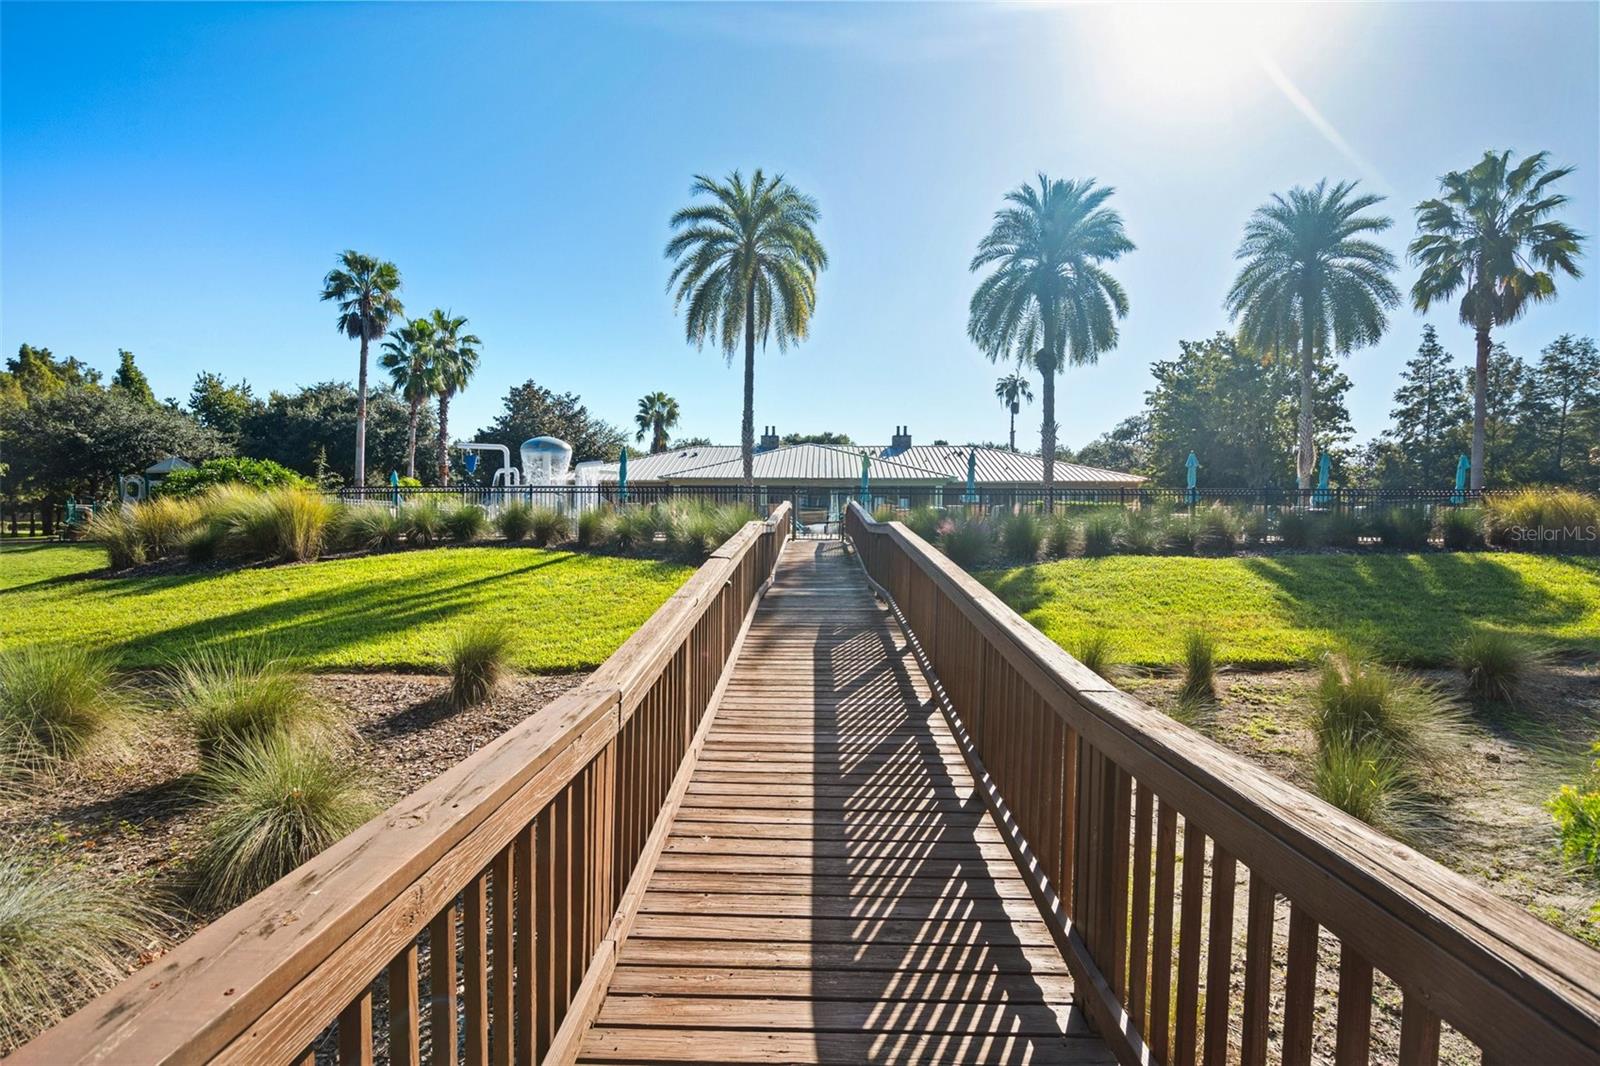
134 816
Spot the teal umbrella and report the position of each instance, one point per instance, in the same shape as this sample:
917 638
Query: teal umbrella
394 486
1192 466
866 493
622 477
972 477
1323 469
1463 468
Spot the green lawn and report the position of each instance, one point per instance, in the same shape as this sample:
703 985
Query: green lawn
568 611
27 562
1284 610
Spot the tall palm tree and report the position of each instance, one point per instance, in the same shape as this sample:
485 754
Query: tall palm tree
746 265
1490 235
1313 280
1050 301
366 289
1012 390
455 360
408 357
657 414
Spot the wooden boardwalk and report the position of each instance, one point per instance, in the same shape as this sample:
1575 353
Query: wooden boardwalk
833 888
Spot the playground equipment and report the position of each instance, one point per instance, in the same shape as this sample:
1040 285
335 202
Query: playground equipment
135 488
507 476
546 461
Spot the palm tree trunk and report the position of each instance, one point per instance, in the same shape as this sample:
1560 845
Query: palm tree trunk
1480 405
361 414
1306 453
1013 426
411 437
747 432
444 438
1047 401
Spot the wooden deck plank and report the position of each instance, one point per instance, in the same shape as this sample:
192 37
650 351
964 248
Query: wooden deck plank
832 888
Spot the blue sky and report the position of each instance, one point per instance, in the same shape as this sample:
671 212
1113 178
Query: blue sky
176 179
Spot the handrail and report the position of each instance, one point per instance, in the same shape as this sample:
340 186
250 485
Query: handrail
1082 773
535 836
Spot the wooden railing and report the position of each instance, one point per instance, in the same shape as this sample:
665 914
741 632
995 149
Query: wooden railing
1111 808
522 865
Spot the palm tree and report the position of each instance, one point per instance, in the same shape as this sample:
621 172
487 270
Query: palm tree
746 264
1491 236
455 360
365 289
408 357
657 414
1312 280
1012 390
1050 301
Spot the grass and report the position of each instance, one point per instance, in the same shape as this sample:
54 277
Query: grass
565 611
477 662
466 523
515 521
61 929
1288 610
243 697
1096 651
272 806
57 703
1496 663
34 562
1199 666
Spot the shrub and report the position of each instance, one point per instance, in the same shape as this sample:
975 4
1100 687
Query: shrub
1217 530
1461 528
1361 778
163 524
57 703
1496 663
594 527
272 806
1253 526
478 659
1343 529
1180 534
1060 537
1576 810
548 526
1297 530
1403 528
884 513
259 474
299 523
515 520
1097 652
635 528
1100 534
1021 536
466 523
62 931
1553 520
1199 666
234 700
966 540
115 530
1140 532
290 524
373 526
424 522
924 522
1357 702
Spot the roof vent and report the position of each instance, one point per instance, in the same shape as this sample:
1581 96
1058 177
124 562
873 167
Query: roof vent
769 438
901 439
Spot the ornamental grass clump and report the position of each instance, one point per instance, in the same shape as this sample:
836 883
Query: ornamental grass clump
924 522
1343 529
466 523
1403 528
63 931
1096 651
515 521
594 527
1139 532
1021 536
115 530
58 703
374 527
548 527
272 805
1363 779
1217 530
164 524
424 522
1496 663
234 699
479 658
1298 531
967 540
1100 534
1061 536
1199 667
1358 701
1461 528
1544 520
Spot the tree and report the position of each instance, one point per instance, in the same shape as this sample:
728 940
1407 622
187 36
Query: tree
825 437
1429 408
1050 301
223 407
408 356
365 289
294 428
455 360
657 414
1012 390
746 264
1569 375
1491 237
82 437
531 410
1510 416
36 372
130 379
1312 282
1123 447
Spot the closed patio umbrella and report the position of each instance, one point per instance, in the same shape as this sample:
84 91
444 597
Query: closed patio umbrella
622 477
